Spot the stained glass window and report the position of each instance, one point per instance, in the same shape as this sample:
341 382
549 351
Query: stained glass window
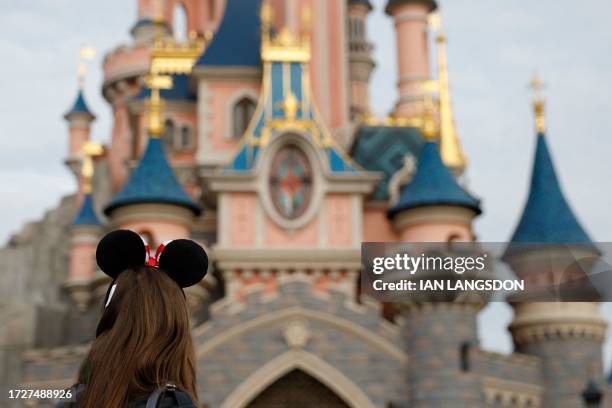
291 182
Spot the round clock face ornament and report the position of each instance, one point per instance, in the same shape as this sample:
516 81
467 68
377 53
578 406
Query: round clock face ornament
291 182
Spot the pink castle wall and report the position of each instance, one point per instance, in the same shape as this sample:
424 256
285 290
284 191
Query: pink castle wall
240 217
377 227
82 258
339 220
222 94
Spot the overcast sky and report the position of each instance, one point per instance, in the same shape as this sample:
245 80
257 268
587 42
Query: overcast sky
494 49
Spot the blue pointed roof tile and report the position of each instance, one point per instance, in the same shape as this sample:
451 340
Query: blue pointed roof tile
153 181
87 214
237 42
547 217
79 107
433 184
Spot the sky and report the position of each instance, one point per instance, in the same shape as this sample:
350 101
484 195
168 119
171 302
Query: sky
494 48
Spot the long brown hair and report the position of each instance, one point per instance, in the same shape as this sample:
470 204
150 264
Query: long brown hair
144 341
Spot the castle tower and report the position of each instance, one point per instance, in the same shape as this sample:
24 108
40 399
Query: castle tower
567 336
411 28
79 119
329 64
85 232
438 335
153 203
289 201
361 63
228 76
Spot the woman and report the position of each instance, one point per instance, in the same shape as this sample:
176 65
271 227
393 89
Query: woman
143 349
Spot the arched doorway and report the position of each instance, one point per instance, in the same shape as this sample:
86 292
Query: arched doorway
297 389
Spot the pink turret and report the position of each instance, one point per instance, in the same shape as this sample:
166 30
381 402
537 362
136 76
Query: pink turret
79 119
411 29
361 63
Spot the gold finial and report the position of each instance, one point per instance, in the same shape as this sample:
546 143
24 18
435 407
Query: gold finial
90 150
156 103
290 106
450 148
85 54
266 22
539 104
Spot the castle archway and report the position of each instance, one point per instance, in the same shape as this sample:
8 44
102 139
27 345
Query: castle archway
297 389
281 378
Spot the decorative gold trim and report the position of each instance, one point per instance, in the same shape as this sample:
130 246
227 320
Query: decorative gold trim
89 151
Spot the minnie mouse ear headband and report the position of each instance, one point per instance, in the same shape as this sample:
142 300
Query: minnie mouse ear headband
182 260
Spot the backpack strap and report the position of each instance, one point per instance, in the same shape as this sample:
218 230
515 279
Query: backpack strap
153 400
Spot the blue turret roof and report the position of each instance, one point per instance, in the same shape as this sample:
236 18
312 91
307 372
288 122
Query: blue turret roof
237 42
547 217
382 149
433 184
153 181
87 213
79 107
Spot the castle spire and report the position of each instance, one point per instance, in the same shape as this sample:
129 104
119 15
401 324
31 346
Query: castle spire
450 148
547 217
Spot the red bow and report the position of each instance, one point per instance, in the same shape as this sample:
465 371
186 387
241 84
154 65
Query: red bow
154 260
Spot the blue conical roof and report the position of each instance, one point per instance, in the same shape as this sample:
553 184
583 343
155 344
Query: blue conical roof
79 107
237 42
433 184
153 181
87 213
547 217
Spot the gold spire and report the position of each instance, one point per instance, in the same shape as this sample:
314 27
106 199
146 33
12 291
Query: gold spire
156 104
539 103
428 127
169 58
450 148
266 23
89 151
85 54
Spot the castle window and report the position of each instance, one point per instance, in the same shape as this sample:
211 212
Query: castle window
242 113
179 23
185 139
168 137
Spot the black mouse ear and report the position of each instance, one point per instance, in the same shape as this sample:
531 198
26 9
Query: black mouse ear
184 261
120 250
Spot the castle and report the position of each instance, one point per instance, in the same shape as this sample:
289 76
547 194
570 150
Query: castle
251 134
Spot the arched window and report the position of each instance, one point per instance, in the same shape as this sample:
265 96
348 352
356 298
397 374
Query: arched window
179 23
242 113
169 131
